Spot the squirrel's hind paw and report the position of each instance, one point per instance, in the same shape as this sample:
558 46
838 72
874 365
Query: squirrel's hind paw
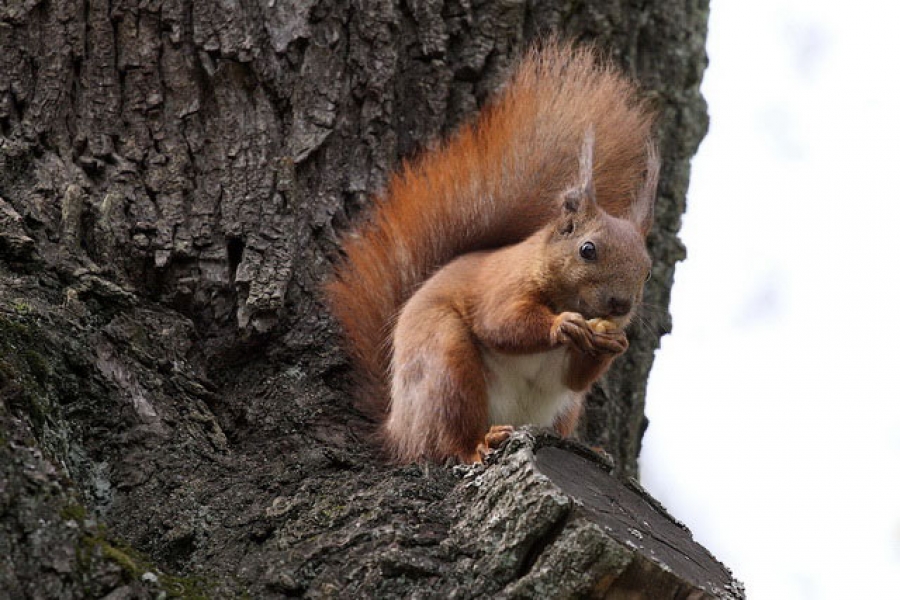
495 436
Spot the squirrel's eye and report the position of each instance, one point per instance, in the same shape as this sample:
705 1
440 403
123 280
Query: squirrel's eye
649 275
588 251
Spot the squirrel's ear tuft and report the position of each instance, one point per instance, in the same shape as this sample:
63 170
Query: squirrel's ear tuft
586 167
645 200
583 190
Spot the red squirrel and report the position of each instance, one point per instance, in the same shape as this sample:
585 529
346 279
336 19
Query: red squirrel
491 283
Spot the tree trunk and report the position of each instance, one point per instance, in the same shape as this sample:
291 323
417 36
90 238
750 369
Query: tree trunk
173 179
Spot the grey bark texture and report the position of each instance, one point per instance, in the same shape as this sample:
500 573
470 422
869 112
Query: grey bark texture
173 178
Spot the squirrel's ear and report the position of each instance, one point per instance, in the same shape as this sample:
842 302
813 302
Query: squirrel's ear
642 209
583 190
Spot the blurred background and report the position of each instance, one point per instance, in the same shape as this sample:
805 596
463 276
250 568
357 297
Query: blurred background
774 405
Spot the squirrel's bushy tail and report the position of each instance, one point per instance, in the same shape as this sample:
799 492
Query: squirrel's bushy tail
493 183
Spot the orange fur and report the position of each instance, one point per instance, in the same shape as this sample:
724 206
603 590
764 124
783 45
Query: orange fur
492 185
567 421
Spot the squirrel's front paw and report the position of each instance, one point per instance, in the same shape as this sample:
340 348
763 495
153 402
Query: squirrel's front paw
572 329
611 342
608 338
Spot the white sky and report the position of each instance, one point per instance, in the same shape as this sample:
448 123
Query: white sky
774 408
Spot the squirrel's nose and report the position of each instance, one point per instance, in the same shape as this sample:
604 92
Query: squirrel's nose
618 307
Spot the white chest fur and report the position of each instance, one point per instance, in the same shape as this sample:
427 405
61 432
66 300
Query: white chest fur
527 389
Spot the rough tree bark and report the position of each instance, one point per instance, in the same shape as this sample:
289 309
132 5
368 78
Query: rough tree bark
174 407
